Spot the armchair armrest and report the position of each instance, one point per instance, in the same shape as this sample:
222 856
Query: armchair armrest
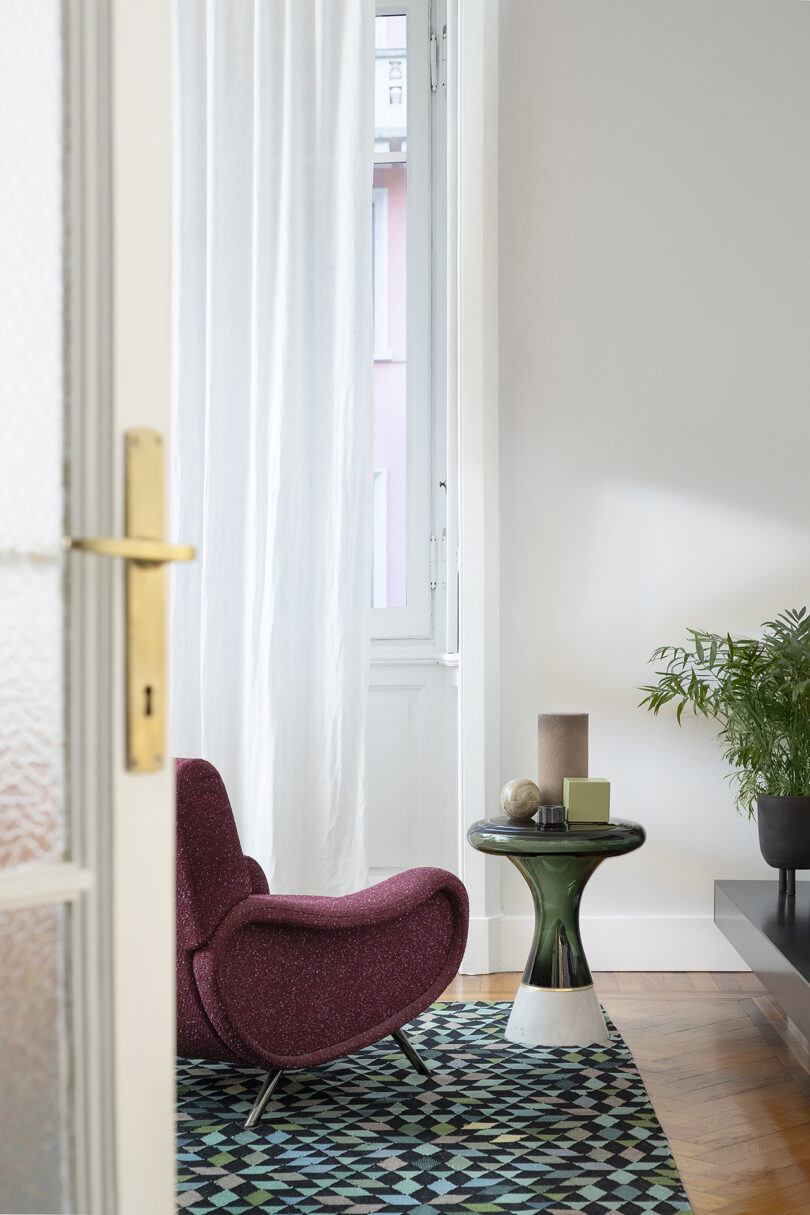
296 980
388 900
258 882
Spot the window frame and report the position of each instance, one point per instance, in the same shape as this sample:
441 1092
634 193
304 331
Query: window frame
423 619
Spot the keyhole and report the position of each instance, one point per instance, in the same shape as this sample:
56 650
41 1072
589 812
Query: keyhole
148 702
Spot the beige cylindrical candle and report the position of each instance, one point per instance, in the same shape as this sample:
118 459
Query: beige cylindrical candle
562 750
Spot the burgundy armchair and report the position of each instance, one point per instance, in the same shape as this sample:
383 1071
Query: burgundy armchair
289 981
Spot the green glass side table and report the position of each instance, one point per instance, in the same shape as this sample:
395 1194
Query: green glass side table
556 1004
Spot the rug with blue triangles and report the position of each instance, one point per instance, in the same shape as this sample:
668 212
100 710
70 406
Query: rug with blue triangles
496 1128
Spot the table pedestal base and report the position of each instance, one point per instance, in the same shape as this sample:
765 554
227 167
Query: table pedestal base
543 1016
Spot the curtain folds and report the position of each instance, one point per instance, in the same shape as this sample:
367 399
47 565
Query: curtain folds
273 421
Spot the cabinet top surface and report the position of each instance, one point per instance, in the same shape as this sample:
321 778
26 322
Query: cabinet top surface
505 835
762 912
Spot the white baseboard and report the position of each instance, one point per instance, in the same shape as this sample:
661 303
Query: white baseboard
501 943
484 946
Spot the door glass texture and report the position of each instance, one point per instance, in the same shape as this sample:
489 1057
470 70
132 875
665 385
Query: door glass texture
35 1059
31 454
34 1145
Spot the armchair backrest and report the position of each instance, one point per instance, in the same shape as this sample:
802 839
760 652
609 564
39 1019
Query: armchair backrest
212 876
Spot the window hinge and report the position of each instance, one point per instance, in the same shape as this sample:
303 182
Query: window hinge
434 564
434 64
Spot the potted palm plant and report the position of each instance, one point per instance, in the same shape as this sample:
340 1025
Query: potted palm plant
758 691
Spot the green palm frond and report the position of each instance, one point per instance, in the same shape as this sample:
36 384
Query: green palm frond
758 692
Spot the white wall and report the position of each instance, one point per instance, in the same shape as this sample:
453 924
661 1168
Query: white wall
654 407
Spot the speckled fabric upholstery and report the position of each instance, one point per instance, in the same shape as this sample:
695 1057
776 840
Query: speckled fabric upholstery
212 876
196 1037
258 882
205 830
291 981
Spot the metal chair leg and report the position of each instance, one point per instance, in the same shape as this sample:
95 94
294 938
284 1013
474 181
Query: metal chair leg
409 1052
271 1082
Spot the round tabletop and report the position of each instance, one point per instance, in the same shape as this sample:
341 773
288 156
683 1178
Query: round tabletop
508 836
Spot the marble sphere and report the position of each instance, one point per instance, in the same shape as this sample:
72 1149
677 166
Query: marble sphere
520 798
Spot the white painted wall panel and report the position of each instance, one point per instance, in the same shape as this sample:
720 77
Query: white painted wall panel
654 427
411 764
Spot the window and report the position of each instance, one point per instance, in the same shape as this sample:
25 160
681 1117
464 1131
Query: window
381 258
379 563
405 408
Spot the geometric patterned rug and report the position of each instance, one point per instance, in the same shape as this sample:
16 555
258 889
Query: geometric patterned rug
496 1128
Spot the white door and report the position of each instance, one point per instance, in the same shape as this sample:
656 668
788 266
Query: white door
86 846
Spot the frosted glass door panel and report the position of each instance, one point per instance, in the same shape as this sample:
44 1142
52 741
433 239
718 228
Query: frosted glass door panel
31 719
36 1098
34 1143
31 453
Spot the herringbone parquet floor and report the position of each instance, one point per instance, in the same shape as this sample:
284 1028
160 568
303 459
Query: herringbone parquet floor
728 1075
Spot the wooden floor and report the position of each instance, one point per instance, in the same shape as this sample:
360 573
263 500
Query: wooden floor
728 1076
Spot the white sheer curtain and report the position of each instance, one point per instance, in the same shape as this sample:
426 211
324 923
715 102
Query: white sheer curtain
273 421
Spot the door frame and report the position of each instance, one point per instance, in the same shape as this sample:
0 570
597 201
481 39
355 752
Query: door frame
473 68
142 872
118 89
89 636
79 880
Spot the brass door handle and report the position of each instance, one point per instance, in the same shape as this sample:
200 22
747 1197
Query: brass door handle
145 552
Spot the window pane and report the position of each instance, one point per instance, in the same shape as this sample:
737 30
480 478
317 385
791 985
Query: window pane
389 211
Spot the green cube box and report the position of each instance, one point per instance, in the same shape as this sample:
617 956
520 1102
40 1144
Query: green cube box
586 799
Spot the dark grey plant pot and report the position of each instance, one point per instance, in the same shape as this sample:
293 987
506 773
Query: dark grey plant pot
784 836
